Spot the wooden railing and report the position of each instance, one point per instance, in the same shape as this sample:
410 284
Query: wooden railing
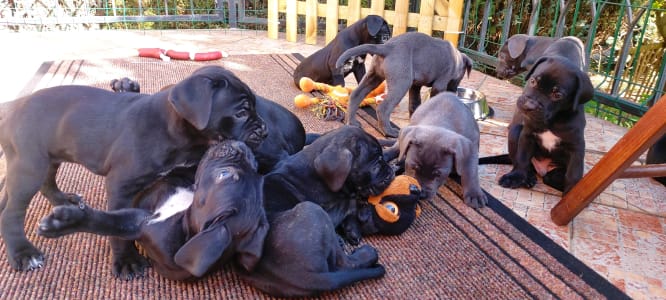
433 15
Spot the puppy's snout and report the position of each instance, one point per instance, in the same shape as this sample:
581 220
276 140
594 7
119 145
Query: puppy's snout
528 104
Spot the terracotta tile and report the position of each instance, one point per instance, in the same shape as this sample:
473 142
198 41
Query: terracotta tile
641 221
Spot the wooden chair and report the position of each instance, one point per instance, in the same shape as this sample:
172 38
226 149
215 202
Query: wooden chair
616 164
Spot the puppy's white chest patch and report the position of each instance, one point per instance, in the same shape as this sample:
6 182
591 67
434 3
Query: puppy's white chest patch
178 202
548 140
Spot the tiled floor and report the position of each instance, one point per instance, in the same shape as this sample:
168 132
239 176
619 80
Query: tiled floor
621 235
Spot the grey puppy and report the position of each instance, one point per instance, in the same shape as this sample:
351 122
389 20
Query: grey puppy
442 137
320 66
185 232
407 62
519 53
129 138
292 265
546 134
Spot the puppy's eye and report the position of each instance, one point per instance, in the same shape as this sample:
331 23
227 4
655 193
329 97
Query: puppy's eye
242 113
391 207
557 95
532 81
436 173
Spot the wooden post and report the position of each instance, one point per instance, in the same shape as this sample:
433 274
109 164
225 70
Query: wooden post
311 22
426 13
332 17
292 20
353 11
454 21
650 127
272 19
377 8
401 14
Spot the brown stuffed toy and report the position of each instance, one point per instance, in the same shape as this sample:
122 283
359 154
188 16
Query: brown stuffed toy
392 211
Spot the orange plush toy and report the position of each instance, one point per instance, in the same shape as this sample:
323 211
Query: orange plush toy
333 103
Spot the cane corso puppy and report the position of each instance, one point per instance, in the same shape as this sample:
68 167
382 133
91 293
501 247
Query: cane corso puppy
286 134
292 265
657 155
130 138
546 134
442 137
519 53
407 62
185 232
337 171
321 67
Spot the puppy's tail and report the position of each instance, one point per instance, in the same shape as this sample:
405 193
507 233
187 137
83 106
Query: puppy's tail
502 159
374 49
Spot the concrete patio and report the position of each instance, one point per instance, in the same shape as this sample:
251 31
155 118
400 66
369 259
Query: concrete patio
621 235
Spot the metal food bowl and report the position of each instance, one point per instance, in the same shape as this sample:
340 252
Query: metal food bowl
475 101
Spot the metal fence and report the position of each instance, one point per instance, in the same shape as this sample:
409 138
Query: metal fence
625 49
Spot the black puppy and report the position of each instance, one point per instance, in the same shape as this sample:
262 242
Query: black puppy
337 171
303 255
657 155
286 134
185 232
320 66
546 133
129 138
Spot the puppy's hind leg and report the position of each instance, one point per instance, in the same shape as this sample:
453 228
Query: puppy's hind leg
362 257
414 98
21 186
396 90
367 84
51 191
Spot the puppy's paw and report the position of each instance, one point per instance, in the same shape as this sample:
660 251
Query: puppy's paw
129 266
61 221
125 85
476 199
515 179
27 258
364 256
390 132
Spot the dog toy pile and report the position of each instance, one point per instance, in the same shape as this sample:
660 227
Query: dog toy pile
389 211
332 104
167 55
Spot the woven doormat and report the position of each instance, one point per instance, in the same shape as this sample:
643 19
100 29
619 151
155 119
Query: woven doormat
450 252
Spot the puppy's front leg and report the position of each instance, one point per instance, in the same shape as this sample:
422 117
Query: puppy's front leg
522 174
472 193
67 219
121 189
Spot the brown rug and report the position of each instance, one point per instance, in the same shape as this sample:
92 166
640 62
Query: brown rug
451 251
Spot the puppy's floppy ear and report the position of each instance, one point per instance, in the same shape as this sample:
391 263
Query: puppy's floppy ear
516 45
204 249
585 91
536 64
406 138
192 99
374 24
333 165
250 249
462 149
